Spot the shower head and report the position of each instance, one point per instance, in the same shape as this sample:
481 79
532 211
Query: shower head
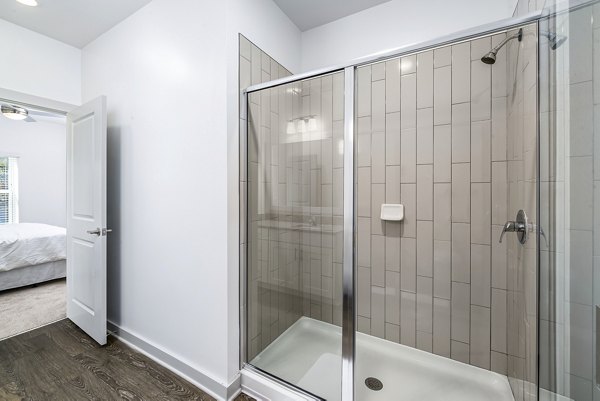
554 40
490 57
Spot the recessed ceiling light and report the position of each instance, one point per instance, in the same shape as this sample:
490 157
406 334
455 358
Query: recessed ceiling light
30 3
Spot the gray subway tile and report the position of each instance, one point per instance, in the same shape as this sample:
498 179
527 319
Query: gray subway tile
480 337
460 304
441 327
480 275
442 167
425 192
425 304
442 98
425 79
442 269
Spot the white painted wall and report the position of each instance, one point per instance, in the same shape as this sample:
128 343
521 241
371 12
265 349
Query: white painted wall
394 24
38 65
41 150
167 176
168 71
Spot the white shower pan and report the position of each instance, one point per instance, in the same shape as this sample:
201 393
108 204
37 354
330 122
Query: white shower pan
308 354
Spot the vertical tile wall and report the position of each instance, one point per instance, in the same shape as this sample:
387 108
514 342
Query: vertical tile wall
432 135
521 283
570 198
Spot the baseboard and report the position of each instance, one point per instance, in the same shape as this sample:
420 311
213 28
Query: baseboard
198 378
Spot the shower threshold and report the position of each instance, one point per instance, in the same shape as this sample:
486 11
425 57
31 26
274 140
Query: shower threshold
308 355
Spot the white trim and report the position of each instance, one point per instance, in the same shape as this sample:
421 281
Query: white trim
13 187
34 328
12 191
36 102
202 380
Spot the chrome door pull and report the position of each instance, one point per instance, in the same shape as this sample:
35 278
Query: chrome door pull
100 232
520 226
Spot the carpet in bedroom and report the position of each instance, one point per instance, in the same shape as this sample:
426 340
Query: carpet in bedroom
27 308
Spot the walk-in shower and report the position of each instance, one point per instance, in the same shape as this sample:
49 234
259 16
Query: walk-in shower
459 297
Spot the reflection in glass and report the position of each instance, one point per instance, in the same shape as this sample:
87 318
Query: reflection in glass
295 208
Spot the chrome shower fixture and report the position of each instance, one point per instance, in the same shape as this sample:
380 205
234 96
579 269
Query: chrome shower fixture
554 39
490 57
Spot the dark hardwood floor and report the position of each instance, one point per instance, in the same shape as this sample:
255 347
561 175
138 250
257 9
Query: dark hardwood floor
60 363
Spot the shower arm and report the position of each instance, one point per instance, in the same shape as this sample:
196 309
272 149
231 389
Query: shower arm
517 35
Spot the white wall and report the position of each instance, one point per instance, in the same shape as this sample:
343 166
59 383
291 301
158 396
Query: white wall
394 24
41 150
167 72
38 65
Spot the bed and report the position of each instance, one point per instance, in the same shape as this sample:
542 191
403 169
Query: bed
31 253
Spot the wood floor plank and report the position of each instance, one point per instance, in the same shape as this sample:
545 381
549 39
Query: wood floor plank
145 370
60 362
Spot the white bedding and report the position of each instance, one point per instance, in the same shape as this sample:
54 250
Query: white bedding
29 244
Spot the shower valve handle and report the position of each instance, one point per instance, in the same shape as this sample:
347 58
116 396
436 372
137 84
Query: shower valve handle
509 226
519 226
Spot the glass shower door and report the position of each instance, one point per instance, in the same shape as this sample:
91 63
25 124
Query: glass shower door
570 202
295 214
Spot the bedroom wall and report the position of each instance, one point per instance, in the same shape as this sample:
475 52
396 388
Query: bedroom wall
170 203
41 150
38 65
394 24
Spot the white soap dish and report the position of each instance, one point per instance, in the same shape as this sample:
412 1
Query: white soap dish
392 212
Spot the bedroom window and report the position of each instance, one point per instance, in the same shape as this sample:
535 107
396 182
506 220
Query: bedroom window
9 190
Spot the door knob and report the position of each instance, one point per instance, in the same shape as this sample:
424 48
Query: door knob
520 226
100 232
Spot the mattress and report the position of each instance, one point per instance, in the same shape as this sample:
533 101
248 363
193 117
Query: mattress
33 274
27 244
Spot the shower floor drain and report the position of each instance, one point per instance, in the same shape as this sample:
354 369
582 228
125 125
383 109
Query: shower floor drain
373 384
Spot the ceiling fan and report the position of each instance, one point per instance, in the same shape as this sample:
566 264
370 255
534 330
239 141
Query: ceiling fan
19 113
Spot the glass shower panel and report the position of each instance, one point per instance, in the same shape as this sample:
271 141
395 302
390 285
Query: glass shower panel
295 233
570 202
444 308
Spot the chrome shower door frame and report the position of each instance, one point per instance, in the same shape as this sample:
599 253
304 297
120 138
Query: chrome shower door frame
349 252
349 195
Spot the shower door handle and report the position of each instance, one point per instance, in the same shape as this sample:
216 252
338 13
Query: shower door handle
519 226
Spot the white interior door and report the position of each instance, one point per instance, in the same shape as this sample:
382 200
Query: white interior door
86 218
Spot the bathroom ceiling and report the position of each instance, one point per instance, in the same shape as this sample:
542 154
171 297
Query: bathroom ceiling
307 14
76 22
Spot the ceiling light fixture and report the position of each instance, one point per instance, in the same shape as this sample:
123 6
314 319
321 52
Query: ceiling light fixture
14 112
30 3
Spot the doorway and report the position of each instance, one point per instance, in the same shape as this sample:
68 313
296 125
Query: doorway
52 215
33 253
